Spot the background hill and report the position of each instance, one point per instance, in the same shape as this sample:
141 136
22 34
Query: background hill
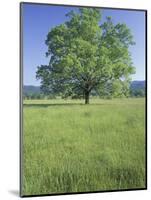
135 85
29 89
137 88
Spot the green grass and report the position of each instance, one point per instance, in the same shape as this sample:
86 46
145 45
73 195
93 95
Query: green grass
71 147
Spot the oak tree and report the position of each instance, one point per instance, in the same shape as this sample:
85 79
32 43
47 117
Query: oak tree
85 55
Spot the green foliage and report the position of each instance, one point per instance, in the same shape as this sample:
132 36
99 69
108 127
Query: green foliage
84 55
138 93
91 148
114 89
33 96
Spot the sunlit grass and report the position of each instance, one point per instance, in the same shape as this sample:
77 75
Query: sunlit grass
72 147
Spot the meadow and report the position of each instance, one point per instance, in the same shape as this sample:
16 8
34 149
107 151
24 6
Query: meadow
72 147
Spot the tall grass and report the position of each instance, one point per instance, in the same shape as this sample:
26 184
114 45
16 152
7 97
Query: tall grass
78 148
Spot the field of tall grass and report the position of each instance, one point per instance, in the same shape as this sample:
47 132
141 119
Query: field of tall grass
72 147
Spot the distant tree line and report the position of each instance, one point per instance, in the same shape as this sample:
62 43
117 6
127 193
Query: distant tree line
110 91
37 96
138 93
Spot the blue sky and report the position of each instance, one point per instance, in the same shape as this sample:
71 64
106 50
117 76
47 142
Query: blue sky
39 19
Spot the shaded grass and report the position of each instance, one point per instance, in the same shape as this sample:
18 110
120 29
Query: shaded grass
83 148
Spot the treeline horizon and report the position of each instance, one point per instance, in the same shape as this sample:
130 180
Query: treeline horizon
136 94
137 89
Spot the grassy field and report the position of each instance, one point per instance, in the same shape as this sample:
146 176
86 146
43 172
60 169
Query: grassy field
72 147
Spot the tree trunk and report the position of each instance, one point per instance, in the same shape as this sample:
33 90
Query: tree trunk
87 97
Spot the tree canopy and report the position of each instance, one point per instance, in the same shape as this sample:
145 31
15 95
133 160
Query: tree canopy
86 55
